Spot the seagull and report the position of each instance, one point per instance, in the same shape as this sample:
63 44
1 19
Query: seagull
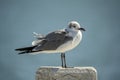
59 41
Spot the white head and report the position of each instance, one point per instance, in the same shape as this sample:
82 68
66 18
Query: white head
74 26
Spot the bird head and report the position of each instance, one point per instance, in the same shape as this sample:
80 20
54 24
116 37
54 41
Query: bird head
74 26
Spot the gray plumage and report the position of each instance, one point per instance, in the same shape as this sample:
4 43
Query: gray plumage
50 42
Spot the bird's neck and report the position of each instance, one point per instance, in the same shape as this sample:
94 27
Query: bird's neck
73 33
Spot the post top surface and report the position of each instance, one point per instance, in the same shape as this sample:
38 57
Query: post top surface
59 67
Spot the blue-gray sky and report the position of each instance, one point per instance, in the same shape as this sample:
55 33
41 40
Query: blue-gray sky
99 48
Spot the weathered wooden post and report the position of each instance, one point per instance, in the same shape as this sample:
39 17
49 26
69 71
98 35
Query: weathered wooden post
73 73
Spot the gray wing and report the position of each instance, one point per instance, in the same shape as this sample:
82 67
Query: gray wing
53 40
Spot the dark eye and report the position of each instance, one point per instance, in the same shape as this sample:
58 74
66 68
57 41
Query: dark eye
69 26
74 26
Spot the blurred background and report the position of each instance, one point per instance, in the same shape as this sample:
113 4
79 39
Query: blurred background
100 46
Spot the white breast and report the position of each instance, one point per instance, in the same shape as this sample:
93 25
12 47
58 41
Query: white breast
77 39
71 44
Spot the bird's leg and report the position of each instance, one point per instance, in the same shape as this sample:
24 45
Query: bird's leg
63 60
65 66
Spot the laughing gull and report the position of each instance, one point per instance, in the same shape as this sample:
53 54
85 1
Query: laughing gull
59 41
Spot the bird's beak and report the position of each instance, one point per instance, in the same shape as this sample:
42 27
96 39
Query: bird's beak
82 29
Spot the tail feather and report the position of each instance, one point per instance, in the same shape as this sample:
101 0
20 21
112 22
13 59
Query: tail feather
25 49
24 52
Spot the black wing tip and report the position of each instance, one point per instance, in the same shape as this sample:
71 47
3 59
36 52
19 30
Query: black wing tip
16 49
19 49
21 53
25 48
